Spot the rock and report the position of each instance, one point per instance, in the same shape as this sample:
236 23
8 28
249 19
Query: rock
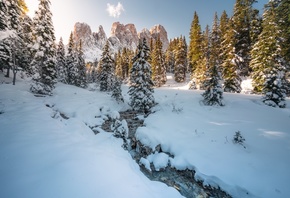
159 31
121 36
127 35
100 37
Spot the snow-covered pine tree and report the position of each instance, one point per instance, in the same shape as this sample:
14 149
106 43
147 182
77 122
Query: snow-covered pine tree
268 63
180 61
9 46
106 67
81 65
44 44
71 62
3 24
213 94
230 70
242 38
25 44
141 88
61 62
117 91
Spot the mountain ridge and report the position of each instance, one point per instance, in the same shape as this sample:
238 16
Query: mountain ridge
121 36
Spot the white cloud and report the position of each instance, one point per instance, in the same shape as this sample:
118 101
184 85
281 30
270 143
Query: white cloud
115 11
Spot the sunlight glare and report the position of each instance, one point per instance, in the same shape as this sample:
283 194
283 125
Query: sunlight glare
32 6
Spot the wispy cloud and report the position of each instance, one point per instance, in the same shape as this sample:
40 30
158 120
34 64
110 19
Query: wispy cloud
115 10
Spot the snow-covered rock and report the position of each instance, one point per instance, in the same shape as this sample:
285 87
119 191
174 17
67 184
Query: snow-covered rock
122 35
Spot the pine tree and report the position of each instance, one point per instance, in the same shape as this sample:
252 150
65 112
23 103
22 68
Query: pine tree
3 8
10 16
283 16
106 70
230 69
117 91
268 63
243 11
195 36
44 59
127 56
71 62
180 61
119 62
141 88
26 45
203 62
61 62
81 65
169 58
157 63
213 94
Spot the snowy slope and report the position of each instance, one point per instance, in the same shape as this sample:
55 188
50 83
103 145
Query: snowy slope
200 137
44 154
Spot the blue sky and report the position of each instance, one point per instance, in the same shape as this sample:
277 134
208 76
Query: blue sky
174 15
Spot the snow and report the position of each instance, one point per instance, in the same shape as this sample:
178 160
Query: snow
47 148
44 155
6 34
201 137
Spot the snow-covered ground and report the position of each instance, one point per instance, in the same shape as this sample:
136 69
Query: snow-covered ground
42 154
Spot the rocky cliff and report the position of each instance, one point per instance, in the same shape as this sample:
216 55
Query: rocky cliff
121 36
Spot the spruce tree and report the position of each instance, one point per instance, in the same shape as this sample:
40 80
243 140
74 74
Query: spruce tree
119 62
117 91
26 44
106 67
195 43
169 58
10 15
157 63
203 63
44 59
81 65
242 17
71 62
3 23
141 87
230 69
213 94
61 62
127 56
180 61
268 63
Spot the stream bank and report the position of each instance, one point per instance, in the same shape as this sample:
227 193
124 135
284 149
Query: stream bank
184 181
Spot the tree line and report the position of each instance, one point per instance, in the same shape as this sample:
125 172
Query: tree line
246 44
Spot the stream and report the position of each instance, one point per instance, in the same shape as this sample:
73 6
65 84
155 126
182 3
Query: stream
182 180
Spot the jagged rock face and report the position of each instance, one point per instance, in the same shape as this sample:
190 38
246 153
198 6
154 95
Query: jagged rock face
92 42
145 33
100 37
121 36
127 35
82 32
155 32
159 30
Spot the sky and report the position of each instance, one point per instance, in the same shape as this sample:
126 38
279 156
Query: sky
176 16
